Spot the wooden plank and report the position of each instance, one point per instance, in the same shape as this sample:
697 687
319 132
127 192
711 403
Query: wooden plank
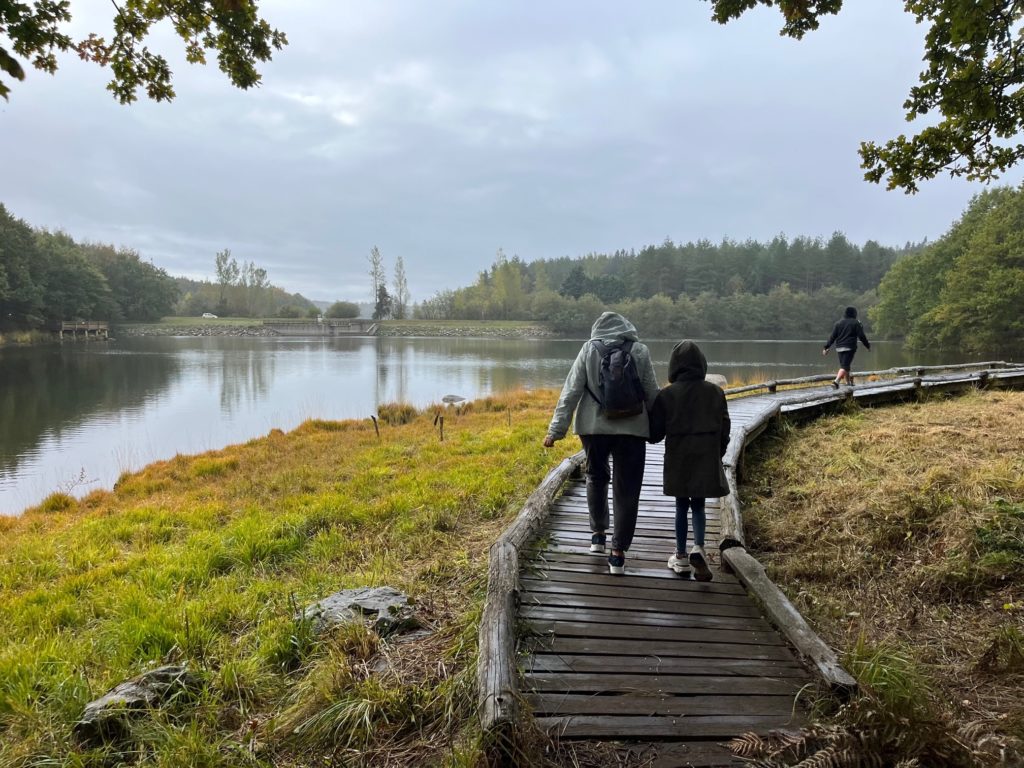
639 685
706 605
577 572
665 649
787 618
568 662
710 727
685 634
496 673
538 587
641 618
547 704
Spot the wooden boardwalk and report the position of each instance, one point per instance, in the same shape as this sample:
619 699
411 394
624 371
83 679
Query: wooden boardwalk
652 656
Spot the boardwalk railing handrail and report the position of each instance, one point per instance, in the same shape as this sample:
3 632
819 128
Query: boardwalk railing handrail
497 676
918 370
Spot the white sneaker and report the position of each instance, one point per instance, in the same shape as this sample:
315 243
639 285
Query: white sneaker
678 564
699 563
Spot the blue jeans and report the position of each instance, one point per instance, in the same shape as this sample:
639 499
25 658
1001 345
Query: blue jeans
699 522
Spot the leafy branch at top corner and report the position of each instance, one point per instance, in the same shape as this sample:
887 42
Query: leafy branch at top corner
231 28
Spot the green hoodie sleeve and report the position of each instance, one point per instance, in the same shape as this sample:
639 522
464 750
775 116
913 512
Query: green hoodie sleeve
572 391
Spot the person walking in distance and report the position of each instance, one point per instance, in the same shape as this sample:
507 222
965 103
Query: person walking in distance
845 334
691 415
610 388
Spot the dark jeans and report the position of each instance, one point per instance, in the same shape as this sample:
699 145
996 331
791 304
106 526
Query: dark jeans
628 455
699 522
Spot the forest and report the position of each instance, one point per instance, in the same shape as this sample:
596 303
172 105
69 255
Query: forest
47 277
965 291
780 289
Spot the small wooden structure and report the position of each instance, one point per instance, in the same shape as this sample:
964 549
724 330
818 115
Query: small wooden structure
96 329
652 656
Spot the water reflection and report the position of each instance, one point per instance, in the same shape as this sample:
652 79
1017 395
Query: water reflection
93 411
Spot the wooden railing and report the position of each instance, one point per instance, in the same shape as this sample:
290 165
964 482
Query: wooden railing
917 370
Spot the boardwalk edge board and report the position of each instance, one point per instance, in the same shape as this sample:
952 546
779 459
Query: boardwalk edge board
497 674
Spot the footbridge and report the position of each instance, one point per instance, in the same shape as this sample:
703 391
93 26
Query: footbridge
654 660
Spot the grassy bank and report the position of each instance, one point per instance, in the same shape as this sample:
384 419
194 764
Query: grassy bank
206 559
899 533
19 338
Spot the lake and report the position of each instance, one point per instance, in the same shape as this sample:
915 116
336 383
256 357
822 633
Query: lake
73 417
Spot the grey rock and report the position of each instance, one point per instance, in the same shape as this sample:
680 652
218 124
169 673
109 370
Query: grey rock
717 378
391 609
108 717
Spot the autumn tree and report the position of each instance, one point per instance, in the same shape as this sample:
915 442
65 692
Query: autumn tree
967 93
33 33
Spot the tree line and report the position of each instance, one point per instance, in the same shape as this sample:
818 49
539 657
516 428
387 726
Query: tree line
784 288
47 277
240 290
965 291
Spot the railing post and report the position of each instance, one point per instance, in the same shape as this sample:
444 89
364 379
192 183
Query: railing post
772 386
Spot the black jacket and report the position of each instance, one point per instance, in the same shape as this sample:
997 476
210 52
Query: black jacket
692 415
845 334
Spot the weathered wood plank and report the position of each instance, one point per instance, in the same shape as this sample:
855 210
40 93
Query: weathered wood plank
710 727
539 613
664 649
684 634
568 662
548 704
788 619
639 685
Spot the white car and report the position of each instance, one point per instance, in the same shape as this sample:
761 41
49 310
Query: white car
209 316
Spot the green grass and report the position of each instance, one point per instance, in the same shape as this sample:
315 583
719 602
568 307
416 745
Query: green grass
207 559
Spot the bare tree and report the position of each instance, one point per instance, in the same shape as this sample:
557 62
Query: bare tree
400 299
377 275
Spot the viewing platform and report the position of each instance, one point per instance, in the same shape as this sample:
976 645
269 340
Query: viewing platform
95 329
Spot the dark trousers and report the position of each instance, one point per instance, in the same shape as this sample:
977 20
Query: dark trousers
628 454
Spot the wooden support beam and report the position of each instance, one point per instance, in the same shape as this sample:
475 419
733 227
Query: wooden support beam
787 618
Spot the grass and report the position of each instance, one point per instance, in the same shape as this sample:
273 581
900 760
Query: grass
899 533
207 559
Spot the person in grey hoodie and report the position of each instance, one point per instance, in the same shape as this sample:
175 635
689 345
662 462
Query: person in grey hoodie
692 416
624 439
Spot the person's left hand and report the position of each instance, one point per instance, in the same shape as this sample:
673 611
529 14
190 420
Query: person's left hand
549 442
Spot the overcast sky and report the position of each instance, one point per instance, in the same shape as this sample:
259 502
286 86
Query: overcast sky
442 131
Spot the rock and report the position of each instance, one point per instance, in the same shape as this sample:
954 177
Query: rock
717 378
452 399
108 717
392 609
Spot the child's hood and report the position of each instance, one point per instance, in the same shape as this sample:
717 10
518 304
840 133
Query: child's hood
687 362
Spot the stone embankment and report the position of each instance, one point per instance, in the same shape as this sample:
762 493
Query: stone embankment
469 331
192 330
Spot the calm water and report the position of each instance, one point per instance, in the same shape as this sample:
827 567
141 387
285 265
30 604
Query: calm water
74 417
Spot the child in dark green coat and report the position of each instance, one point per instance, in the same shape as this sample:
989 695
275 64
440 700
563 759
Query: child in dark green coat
693 418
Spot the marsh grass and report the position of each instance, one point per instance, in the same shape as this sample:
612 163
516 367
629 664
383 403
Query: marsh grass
208 559
899 533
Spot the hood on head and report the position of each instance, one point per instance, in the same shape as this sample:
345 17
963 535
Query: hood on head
611 326
687 362
851 311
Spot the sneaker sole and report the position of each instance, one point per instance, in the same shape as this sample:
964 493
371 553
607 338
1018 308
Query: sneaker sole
701 572
597 549
618 570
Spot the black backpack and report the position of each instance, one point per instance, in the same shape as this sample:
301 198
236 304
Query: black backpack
622 394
